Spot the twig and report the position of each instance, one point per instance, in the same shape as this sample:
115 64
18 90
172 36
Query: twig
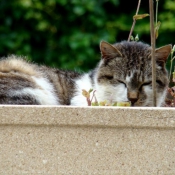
171 68
93 96
134 20
171 62
157 4
153 51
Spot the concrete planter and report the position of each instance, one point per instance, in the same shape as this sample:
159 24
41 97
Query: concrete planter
92 140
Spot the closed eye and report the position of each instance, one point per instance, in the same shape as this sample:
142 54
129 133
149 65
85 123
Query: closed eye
145 84
150 82
109 77
122 82
160 83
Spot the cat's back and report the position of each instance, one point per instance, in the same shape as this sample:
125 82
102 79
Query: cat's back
22 82
13 64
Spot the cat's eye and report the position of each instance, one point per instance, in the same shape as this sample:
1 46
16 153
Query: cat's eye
109 77
145 84
159 82
150 82
122 82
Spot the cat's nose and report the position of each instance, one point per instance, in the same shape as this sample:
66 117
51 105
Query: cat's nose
133 97
133 100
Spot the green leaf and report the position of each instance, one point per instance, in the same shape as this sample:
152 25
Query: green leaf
132 38
103 103
137 37
114 104
157 29
94 104
136 17
85 93
90 90
173 75
124 104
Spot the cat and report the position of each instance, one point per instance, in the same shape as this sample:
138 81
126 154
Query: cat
122 74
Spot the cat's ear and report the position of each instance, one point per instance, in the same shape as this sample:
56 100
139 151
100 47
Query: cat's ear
108 51
162 53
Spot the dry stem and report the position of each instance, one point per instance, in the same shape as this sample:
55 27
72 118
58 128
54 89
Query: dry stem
153 50
134 20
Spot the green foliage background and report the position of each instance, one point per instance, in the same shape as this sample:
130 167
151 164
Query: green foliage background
67 33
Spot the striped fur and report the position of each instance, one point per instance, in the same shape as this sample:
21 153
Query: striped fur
123 74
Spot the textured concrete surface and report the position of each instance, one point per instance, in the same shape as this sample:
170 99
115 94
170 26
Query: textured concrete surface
93 140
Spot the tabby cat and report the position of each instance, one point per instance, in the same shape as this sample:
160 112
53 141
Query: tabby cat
123 74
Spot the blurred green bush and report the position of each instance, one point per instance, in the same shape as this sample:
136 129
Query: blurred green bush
67 33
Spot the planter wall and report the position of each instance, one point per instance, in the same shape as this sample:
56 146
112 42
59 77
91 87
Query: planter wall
93 140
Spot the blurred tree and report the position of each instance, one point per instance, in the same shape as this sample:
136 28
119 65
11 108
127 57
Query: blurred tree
66 34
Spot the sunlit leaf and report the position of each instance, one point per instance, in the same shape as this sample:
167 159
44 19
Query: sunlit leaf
102 103
94 104
124 104
85 93
173 75
132 38
137 37
157 29
136 17
90 90
114 104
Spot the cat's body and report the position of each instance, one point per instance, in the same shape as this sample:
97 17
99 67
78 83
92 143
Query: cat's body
123 74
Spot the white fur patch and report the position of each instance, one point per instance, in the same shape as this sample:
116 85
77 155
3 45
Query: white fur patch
103 92
128 78
149 95
149 99
161 98
45 94
83 83
111 93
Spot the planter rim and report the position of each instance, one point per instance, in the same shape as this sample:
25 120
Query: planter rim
69 116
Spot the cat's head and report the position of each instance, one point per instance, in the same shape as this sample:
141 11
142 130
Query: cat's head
125 73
